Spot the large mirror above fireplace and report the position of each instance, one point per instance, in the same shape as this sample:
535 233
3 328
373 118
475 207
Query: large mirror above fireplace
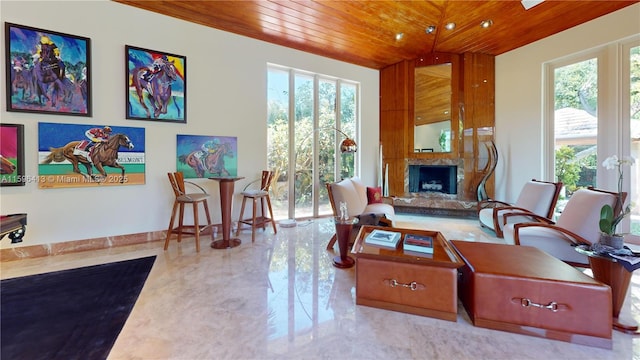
432 111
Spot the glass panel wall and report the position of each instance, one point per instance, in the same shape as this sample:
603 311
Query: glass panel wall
305 137
576 125
633 112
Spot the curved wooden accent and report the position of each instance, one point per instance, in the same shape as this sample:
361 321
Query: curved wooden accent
488 170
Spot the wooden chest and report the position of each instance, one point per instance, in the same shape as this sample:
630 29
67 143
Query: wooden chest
408 282
524 290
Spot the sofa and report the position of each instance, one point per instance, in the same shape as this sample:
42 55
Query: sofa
363 202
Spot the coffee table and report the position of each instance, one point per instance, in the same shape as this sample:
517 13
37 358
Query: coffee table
421 284
524 290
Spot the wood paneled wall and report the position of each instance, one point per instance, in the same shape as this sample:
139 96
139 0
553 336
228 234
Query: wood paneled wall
394 121
473 109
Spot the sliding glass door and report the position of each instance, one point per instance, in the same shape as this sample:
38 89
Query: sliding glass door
305 113
595 115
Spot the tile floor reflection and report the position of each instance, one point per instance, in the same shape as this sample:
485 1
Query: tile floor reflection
280 298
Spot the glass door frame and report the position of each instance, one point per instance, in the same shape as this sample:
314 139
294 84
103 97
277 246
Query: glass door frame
613 103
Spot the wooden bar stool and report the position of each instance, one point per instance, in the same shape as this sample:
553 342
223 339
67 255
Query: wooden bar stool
178 184
258 195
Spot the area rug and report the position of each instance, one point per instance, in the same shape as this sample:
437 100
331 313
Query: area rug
69 314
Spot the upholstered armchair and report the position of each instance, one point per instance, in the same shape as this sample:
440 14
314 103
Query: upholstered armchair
577 224
537 197
360 200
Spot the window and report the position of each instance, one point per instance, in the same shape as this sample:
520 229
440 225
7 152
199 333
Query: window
304 112
594 112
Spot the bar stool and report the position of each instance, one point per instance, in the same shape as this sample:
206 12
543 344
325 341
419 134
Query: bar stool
258 195
178 184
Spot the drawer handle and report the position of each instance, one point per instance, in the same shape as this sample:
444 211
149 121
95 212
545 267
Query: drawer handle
413 286
553 306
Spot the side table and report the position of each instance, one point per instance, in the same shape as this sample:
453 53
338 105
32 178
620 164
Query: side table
610 271
344 228
226 197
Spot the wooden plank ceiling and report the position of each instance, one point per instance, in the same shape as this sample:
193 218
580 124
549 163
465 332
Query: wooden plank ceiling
364 32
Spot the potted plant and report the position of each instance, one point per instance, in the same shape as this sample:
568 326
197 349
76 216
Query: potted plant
608 219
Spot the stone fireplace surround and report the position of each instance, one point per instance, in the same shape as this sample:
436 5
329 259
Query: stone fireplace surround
434 202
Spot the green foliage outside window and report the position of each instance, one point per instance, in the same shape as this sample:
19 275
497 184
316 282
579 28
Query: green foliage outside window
278 143
567 170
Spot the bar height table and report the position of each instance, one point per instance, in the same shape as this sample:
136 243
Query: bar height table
226 197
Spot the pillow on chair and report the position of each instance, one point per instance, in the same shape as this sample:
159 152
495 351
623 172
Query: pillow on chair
374 195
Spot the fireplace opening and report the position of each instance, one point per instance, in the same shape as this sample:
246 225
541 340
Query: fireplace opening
433 178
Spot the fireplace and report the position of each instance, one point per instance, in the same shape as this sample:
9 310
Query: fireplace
433 178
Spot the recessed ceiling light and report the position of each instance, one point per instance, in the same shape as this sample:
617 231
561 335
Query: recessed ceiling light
450 26
399 36
486 24
430 29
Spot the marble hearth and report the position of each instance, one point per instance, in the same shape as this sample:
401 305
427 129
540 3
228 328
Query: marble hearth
436 202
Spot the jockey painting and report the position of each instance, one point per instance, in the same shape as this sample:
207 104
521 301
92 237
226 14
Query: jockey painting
154 68
207 148
97 135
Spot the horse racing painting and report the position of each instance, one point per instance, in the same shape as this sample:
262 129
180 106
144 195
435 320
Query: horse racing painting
202 156
156 84
72 155
12 155
47 72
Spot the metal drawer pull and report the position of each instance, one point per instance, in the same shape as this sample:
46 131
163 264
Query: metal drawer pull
413 286
553 306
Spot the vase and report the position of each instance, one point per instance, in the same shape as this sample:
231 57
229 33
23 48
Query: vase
614 241
343 233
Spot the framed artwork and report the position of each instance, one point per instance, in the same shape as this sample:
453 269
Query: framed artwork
12 155
74 155
47 72
200 156
156 85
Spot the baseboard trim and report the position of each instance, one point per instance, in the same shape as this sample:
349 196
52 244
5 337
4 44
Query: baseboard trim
66 247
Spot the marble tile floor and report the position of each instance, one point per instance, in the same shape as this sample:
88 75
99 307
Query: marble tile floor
280 298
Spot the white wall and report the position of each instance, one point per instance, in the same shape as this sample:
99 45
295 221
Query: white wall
226 82
519 92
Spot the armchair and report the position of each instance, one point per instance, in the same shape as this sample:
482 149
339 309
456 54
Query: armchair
360 200
537 197
577 224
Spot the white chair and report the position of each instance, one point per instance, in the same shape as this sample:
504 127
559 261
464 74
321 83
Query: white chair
577 224
354 193
537 197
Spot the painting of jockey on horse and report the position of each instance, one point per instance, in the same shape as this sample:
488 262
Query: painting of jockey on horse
48 71
72 155
156 85
201 156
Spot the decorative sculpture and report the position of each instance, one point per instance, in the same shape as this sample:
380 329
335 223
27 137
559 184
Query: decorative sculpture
488 170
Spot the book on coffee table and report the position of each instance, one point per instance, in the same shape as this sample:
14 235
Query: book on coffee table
383 238
418 243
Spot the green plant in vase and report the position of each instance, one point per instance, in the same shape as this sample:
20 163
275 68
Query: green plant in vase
608 219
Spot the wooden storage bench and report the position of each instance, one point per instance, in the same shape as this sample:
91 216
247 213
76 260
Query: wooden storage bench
524 290
421 284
